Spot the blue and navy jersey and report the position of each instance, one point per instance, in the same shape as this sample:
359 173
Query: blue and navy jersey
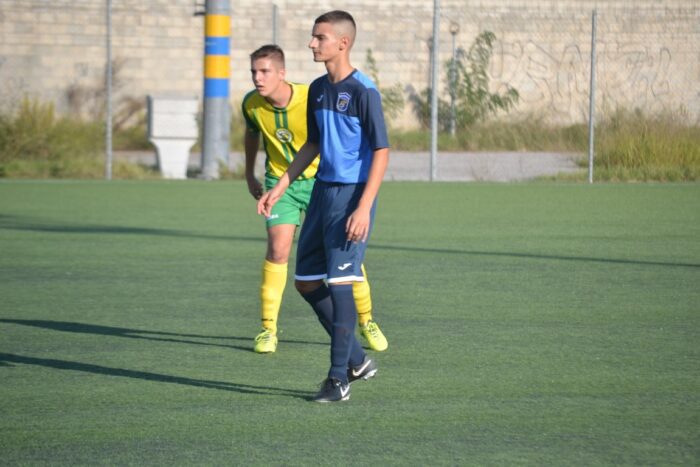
346 121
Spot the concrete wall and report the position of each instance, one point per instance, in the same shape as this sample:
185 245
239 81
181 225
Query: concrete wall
648 51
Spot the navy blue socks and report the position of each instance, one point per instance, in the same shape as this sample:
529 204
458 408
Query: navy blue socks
335 308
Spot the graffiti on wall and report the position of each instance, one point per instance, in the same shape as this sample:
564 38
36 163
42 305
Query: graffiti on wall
556 82
635 75
550 83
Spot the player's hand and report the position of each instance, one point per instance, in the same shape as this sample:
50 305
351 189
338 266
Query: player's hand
267 201
357 226
254 187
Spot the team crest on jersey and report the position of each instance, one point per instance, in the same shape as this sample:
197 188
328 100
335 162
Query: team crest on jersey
284 135
343 101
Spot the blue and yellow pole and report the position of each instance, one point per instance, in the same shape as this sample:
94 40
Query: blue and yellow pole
217 74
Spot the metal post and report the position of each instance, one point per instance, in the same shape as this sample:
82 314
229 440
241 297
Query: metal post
454 30
217 72
434 91
275 36
591 98
108 93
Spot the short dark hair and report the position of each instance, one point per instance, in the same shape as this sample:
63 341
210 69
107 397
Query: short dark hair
336 16
272 51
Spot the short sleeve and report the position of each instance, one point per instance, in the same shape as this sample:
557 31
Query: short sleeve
372 117
249 123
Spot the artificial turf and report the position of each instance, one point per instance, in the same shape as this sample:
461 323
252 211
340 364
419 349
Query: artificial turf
528 324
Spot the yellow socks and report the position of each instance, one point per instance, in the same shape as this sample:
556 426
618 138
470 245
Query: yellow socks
363 300
368 328
274 279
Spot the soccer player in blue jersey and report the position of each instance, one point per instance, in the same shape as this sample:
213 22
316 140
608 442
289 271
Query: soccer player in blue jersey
346 126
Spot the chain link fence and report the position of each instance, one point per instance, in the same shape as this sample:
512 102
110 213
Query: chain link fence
647 56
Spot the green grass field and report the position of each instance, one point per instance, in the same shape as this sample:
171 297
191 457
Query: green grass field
528 324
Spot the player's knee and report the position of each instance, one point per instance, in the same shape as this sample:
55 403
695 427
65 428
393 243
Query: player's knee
277 256
277 253
306 287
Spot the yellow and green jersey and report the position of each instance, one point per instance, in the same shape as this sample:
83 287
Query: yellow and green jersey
283 130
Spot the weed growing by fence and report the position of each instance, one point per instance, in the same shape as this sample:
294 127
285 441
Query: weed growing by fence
529 134
37 143
637 147
469 88
630 146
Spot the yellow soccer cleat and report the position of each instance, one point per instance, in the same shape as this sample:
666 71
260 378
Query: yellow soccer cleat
265 342
374 336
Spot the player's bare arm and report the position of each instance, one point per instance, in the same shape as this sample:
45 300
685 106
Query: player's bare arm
307 153
357 226
251 143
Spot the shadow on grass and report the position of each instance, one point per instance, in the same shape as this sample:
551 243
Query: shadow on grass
36 225
18 223
159 336
536 256
9 360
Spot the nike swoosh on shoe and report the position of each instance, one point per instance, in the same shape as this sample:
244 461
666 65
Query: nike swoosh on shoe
361 369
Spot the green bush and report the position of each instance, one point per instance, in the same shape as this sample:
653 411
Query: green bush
132 138
469 87
34 132
36 143
526 134
629 145
639 147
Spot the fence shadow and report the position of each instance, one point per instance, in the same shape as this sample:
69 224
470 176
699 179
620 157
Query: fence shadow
12 222
10 360
535 256
158 336
27 224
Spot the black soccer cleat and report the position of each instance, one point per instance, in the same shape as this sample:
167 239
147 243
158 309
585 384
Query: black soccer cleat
333 390
366 370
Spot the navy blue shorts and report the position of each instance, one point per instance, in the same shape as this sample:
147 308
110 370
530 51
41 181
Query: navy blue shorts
323 251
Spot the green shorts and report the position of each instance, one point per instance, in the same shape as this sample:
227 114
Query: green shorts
294 201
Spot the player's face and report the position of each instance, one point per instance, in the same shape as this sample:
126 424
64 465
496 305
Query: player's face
267 75
325 43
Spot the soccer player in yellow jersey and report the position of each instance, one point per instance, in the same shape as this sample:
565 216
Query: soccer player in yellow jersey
276 109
